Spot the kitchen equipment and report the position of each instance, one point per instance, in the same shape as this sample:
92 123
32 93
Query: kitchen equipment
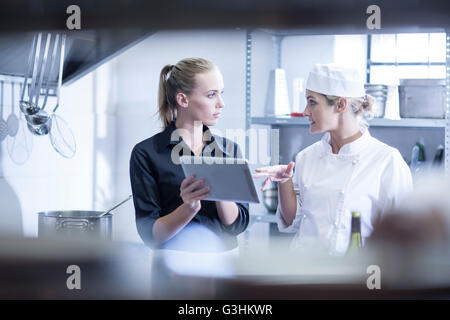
75 224
43 71
277 100
42 123
437 160
62 137
117 205
39 123
3 124
422 98
417 158
270 197
39 130
12 121
379 92
293 114
27 107
20 145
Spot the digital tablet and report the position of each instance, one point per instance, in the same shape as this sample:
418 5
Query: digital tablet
229 178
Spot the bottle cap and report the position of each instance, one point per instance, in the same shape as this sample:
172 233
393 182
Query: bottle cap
356 214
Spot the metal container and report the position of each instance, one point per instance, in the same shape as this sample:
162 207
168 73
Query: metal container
75 225
379 92
422 98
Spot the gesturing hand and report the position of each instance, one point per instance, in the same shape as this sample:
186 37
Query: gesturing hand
280 173
192 192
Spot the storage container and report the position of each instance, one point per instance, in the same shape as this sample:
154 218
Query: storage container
422 98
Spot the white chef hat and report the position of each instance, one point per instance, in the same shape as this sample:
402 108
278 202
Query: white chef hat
335 80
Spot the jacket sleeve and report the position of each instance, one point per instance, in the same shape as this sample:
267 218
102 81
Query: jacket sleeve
145 195
396 181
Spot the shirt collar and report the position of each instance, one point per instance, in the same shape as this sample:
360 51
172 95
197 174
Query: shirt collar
170 137
351 148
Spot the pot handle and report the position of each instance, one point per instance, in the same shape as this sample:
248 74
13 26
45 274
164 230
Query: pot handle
74 224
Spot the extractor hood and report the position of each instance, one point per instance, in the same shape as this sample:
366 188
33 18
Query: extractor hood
85 50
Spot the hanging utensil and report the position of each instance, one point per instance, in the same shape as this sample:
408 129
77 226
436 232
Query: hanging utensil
12 121
30 68
61 136
21 145
27 107
40 123
3 124
43 70
52 68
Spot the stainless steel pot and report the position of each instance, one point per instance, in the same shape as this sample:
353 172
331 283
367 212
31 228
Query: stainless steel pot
379 92
75 224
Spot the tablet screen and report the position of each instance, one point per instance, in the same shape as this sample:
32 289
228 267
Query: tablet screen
229 178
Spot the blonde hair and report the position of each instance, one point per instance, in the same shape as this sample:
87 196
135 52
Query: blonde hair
178 78
361 107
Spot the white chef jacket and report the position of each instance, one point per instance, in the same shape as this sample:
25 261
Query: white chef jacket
366 175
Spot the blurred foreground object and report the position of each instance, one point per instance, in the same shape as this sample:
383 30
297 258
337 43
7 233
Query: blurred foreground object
412 242
41 269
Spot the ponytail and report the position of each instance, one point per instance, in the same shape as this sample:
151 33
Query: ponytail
167 111
178 78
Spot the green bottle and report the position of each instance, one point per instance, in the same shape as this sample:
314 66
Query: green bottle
355 238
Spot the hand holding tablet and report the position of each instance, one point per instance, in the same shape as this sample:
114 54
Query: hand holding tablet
229 179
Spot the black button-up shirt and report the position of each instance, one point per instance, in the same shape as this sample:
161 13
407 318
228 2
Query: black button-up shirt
155 183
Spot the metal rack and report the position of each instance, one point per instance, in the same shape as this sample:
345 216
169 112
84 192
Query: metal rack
278 36
447 101
377 122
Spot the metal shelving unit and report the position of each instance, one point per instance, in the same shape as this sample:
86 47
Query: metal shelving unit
378 122
293 121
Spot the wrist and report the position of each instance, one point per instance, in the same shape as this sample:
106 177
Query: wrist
284 180
189 209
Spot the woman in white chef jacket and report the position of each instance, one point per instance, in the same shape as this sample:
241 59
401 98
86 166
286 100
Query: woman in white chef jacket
347 170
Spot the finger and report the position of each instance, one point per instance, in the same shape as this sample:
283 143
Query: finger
265 184
262 169
186 181
193 186
204 196
290 168
259 175
187 190
199 192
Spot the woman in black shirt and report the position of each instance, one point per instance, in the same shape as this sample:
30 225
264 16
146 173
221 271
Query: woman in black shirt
170 210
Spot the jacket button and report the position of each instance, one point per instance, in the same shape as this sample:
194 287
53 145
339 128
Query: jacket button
342 192
354 161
